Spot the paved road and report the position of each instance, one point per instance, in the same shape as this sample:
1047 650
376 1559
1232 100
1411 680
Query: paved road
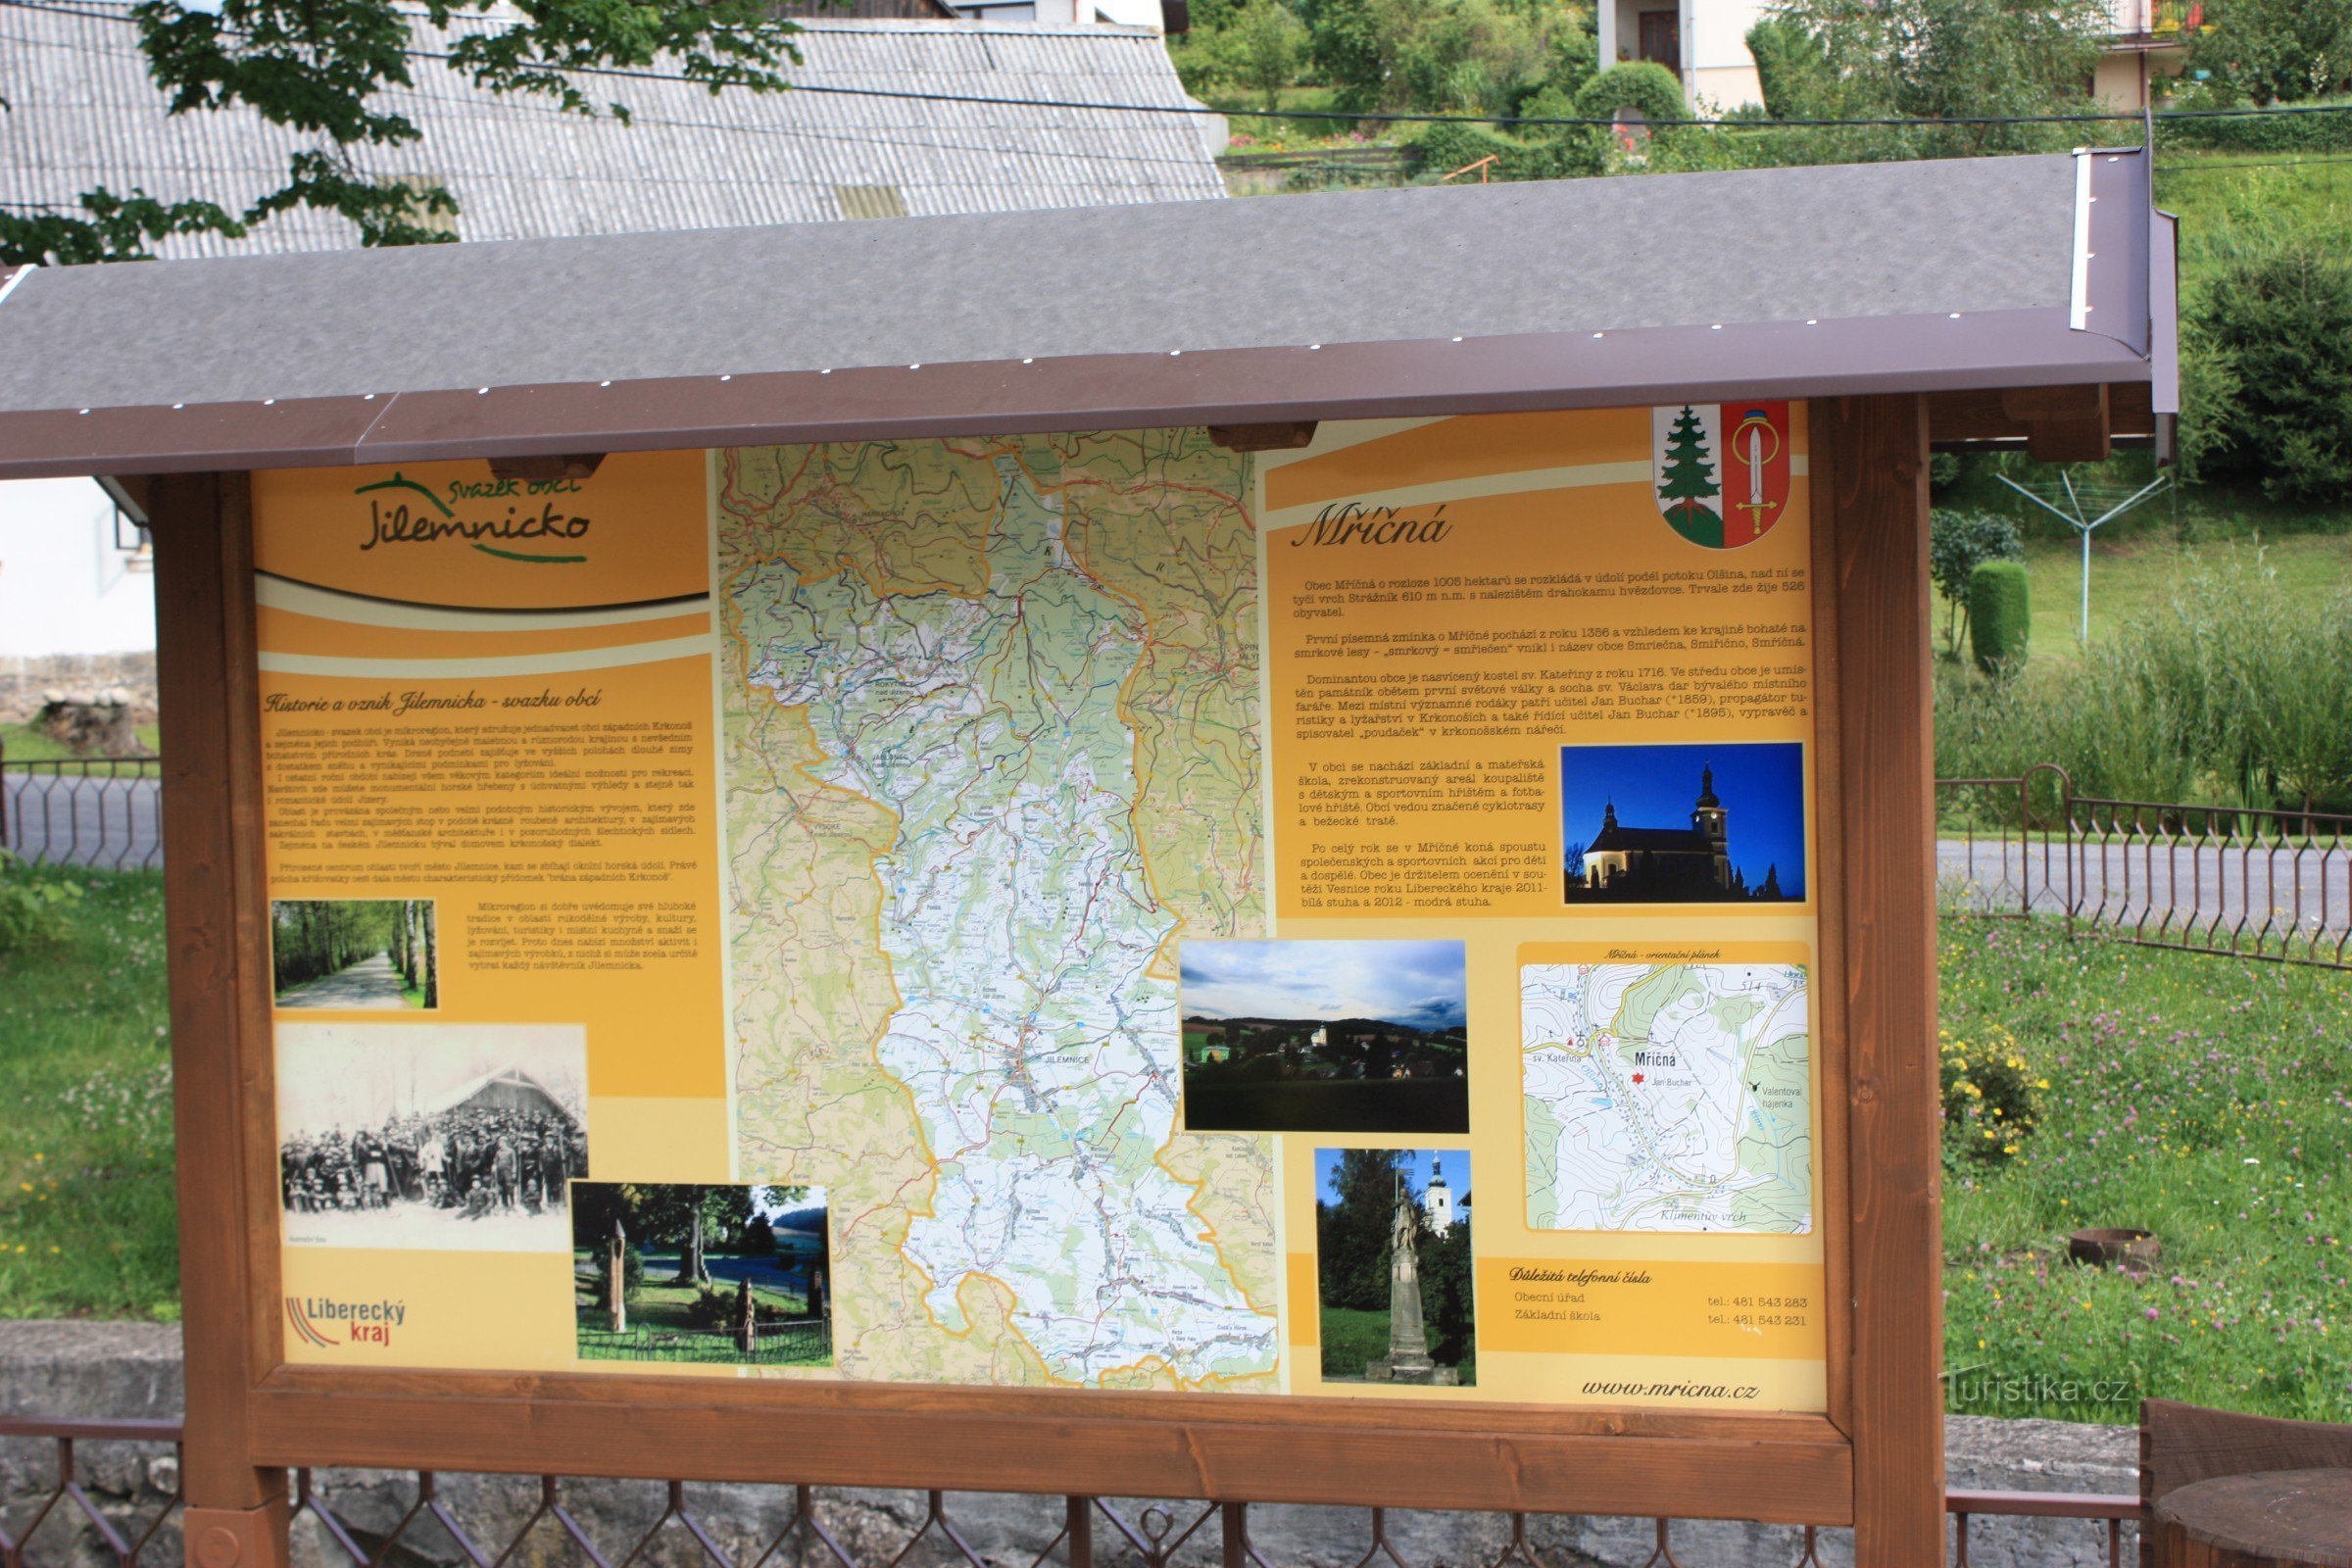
65 819
2233 890
114 823
372 984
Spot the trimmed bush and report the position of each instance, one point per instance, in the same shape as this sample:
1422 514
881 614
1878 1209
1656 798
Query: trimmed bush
2000 615
1650 90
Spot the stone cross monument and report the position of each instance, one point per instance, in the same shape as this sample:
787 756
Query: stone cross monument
1407 1360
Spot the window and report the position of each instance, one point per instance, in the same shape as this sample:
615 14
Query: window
869 201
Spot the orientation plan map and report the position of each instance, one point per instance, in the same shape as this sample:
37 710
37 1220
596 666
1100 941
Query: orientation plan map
1094 910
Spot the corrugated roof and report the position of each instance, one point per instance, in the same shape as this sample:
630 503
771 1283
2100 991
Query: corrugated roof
83 113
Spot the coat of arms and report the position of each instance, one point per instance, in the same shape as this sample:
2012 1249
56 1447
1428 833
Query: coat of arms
1721 469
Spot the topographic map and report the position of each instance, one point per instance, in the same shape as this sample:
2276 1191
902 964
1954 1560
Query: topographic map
1669 1096
991 747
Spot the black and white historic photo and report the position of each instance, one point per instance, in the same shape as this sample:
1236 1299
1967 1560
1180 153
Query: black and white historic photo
431 1136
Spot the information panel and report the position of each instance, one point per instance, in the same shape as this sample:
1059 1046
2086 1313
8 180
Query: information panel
1091 911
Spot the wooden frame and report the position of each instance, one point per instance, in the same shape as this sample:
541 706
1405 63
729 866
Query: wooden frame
1873 1461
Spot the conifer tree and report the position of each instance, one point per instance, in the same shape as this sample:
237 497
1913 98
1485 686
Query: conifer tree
1686 477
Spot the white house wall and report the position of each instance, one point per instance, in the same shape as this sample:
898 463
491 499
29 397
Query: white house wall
1719 73
63 586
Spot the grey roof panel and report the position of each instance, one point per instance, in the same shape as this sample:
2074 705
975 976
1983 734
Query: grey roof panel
1767 284
1374 267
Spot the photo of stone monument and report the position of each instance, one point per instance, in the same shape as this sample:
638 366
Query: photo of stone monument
1393 1266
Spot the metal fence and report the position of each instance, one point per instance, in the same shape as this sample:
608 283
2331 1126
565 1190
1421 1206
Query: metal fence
2247 882
100 812
111 1494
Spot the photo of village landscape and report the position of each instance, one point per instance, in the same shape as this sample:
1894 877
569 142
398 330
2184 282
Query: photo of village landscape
1683 825
688 1272
1393 1270
1325 1036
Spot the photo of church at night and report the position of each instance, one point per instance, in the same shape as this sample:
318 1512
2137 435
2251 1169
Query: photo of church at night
1683 825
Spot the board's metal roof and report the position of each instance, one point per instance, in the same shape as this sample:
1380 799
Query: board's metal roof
1982 274
82 112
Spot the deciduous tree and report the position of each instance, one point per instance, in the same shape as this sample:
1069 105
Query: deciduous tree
316 68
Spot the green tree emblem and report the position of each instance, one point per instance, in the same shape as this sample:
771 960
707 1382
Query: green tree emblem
1686 480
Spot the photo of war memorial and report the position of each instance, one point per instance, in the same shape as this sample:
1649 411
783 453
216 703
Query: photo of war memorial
1325 1036
1683 825
679 1271
431 1135
1393 1273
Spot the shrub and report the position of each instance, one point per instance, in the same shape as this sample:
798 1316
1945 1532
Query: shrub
33 908
2000 615
1649 91
1961 539
1989 1090
1443 148
2276 326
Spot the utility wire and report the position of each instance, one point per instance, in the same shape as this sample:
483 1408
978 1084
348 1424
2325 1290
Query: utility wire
910 95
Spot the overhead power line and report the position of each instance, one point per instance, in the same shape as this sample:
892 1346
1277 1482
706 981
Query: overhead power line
1336 116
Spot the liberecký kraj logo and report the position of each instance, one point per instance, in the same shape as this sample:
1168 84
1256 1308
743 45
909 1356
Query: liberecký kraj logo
1719 471
326 1322
530 521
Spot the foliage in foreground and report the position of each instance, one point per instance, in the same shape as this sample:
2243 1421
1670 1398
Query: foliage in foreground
2206 1100
88 1223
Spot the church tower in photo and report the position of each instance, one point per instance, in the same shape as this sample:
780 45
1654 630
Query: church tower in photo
1438 1201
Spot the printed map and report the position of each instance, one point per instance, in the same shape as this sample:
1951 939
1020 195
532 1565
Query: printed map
993 745
1666 1097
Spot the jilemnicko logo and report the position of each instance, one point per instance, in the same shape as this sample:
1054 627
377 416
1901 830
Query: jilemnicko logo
391 520
364 1322
1973 1388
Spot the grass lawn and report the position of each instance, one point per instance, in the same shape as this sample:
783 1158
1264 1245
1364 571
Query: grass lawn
2205 1100
21 743
87 1225
2131 575
661 1326
2138 574
1352 1338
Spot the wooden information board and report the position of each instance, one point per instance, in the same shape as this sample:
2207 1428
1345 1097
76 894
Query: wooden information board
1086 963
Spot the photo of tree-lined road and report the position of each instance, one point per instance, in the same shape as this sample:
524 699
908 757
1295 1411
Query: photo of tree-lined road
373 955
1325 1036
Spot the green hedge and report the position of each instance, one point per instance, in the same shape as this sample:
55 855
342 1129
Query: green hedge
2297 129
2000 615
1443 148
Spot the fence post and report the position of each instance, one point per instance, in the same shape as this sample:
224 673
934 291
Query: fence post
215 905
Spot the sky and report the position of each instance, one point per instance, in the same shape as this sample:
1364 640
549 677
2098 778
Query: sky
1418 984
346 1074
1761 786
1455 1162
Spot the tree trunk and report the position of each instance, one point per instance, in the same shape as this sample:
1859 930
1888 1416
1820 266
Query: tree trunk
432 961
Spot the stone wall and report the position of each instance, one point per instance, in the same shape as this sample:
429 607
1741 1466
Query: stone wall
26 683
125 1370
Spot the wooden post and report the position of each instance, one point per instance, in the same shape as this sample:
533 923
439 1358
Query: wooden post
1875 453
617 1290
747 1319
215 909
